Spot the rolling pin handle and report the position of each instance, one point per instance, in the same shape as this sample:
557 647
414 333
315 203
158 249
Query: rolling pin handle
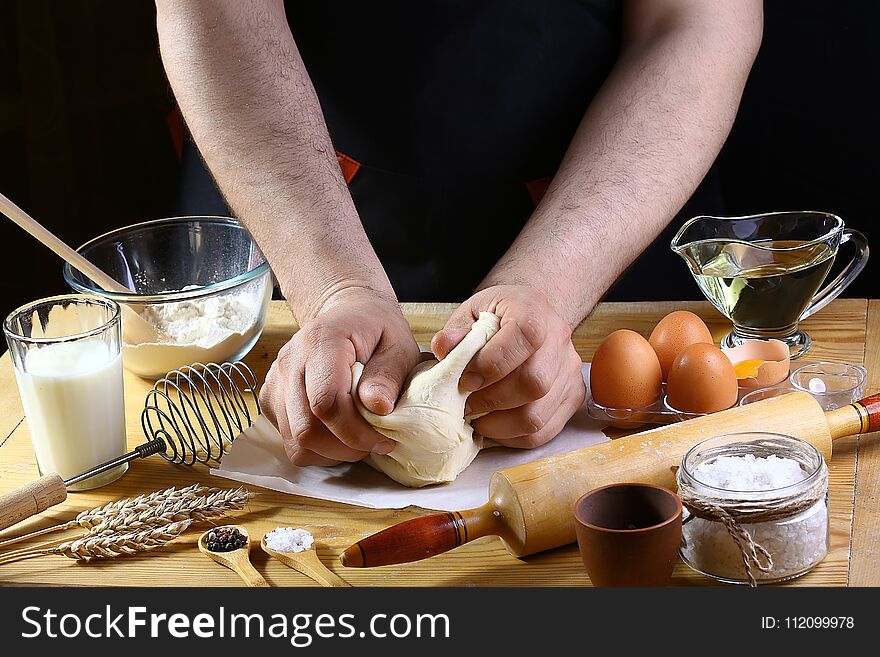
862 416
869 408
420 538
29 500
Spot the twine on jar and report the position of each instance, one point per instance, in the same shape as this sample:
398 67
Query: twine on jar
735 512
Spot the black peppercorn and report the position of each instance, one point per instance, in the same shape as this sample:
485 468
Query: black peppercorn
225 539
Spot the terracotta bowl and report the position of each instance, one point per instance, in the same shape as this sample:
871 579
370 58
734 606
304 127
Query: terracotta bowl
629 534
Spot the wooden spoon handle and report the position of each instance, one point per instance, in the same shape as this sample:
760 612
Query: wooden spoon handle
249 574
312 567
31 499
48 239
420 538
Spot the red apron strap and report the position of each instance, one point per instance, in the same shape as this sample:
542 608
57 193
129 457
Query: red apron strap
537 188
176 129
348 165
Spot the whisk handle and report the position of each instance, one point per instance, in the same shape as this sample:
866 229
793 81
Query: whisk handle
31 499
141 451
51 489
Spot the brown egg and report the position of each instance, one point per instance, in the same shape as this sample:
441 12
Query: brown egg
702 380
673 333
625 372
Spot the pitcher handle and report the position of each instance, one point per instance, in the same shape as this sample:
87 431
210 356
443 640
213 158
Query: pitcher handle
831 291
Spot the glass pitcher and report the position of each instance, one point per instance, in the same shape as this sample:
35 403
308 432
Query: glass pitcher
763 272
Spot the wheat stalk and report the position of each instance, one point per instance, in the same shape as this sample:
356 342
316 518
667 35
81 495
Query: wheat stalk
111 509
110 546
129 505
195 502
216 503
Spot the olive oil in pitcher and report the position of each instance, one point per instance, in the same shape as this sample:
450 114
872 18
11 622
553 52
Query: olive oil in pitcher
761 288
764 271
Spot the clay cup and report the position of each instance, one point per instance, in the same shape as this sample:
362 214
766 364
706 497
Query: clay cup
629 534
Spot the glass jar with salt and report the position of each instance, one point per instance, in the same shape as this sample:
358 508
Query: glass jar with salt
756 507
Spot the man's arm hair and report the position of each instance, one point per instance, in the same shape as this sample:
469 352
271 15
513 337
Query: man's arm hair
254 114
643 146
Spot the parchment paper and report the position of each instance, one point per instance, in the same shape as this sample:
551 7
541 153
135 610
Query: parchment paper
257 457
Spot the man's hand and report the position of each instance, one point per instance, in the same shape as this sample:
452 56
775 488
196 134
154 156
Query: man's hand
307 393
528 377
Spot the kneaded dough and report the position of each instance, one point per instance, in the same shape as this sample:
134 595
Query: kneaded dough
434 441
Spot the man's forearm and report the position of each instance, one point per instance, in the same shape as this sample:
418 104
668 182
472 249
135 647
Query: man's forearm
252 110
641 150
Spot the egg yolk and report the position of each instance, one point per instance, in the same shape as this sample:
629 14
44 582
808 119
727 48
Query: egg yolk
748 368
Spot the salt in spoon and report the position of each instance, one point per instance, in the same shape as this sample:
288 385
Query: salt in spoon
237 560
308 563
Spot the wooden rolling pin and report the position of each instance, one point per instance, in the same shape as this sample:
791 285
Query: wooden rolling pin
531 505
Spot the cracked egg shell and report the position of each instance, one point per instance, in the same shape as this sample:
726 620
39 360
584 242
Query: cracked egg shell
759 363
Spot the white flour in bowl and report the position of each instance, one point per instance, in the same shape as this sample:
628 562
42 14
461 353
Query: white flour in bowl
210 329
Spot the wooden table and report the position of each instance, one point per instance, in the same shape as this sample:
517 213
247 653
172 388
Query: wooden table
840 332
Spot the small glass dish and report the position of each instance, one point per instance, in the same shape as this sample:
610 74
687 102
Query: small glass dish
833 385
764 393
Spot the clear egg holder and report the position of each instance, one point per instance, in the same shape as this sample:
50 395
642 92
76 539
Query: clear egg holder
840 384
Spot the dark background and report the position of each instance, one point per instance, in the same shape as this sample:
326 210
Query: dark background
85 144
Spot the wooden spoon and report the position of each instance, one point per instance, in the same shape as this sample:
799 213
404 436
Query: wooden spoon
308 563
238 560
137 329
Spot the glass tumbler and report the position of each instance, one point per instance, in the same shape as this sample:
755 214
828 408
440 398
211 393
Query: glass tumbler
66 355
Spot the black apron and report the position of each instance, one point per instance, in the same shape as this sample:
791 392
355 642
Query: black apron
449 118
450 108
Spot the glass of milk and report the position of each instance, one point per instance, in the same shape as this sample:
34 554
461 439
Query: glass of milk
67 360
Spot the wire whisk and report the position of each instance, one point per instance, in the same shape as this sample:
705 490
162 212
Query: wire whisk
199 410
193 415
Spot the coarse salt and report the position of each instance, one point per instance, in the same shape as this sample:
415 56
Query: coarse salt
795 544
749 473
288 539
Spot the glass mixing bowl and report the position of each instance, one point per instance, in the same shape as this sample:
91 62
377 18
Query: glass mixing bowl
201 290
